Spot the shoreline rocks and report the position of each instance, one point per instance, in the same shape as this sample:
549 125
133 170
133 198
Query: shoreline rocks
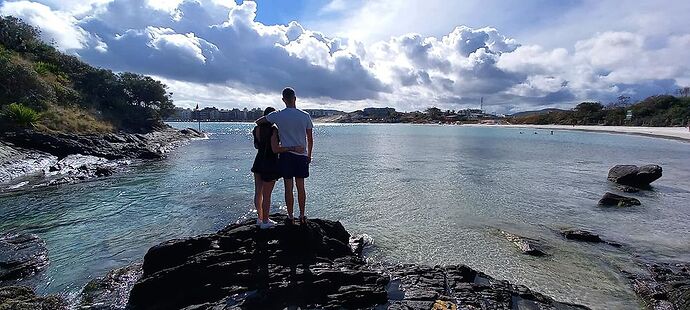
308 266
111 291
610 199
667 286
24 298
635 176
30 158
21 255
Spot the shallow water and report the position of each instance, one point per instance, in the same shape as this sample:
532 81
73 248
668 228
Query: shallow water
425 194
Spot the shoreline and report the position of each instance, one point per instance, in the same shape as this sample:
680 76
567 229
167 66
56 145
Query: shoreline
672 133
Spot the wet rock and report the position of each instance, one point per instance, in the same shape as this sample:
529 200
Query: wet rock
309 266
526 245
21 255
110 292
635 176
24 298
610 199
581 235
667 286
627 189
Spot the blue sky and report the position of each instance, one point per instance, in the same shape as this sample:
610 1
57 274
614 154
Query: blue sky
408 54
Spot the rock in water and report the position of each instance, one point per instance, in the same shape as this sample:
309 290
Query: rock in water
666 287
309 266
24 298
21 255
610 199
581 235
110 292
632 175
526 245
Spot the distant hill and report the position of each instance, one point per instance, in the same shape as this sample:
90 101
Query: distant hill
537 112
47 90
658 111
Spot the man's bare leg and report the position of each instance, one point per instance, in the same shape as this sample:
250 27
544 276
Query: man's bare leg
301 196
258 195
266 204
289 196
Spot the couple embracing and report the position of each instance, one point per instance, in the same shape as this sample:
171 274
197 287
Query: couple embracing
284 143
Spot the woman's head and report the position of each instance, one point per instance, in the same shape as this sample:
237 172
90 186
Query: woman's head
269 110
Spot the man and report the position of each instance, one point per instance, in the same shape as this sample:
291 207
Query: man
294 129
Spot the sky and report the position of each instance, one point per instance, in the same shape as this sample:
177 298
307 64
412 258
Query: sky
351 54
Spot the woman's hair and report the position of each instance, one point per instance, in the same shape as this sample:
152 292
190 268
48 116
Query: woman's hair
269 110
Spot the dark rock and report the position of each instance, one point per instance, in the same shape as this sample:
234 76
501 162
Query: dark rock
21 255
632 175
24 298
581 235
110 292
610 199
309 266
627 189
667 286
526 245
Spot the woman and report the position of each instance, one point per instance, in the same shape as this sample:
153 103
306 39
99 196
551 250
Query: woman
265 168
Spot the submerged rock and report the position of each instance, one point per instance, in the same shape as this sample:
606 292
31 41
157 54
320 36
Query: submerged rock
307 266
110 292
24 298
632 175
580 235
526 245
666 287
610 199
21 255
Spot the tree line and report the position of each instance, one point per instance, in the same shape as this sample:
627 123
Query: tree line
68 94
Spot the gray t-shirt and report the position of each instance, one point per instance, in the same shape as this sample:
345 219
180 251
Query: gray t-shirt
292 127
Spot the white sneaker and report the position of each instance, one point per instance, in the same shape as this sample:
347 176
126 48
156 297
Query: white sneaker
272 221
267 225
259 222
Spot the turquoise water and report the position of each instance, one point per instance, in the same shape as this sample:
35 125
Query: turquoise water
425 194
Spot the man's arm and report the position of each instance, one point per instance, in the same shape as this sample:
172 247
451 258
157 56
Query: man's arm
262 120
310 142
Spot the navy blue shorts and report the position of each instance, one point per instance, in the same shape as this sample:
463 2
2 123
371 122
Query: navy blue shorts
293 166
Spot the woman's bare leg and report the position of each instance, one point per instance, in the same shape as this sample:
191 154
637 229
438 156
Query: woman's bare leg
266 204
258 195
289 195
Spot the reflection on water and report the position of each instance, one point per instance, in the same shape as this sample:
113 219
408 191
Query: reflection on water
426 194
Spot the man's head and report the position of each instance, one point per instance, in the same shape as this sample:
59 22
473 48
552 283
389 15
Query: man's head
289 97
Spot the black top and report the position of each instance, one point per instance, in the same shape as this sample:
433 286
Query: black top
266 162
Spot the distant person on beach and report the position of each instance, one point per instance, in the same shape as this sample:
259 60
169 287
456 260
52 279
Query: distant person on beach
265 167
295 129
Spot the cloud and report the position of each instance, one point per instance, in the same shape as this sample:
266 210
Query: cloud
55 26
217 53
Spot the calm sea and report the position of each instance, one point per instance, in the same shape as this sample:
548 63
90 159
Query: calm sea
425 194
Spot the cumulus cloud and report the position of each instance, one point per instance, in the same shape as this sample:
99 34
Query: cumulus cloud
216 52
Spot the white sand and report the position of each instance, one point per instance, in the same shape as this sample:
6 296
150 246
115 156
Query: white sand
678 133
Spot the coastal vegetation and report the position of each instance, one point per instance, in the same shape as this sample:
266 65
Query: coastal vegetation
655 111
48 90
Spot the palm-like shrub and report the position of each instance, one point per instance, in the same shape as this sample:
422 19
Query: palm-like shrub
20 115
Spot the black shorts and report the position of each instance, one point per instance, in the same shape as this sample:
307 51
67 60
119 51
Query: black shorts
293 166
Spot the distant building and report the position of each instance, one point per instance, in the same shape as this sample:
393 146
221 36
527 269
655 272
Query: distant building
322 112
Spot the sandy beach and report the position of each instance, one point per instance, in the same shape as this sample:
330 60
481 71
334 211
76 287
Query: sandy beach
676 133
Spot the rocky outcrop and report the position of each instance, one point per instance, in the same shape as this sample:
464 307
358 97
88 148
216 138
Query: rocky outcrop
307 266
21 255
109 146
110 292
666 287
24 298
527 246
29 158
610 199
635 176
